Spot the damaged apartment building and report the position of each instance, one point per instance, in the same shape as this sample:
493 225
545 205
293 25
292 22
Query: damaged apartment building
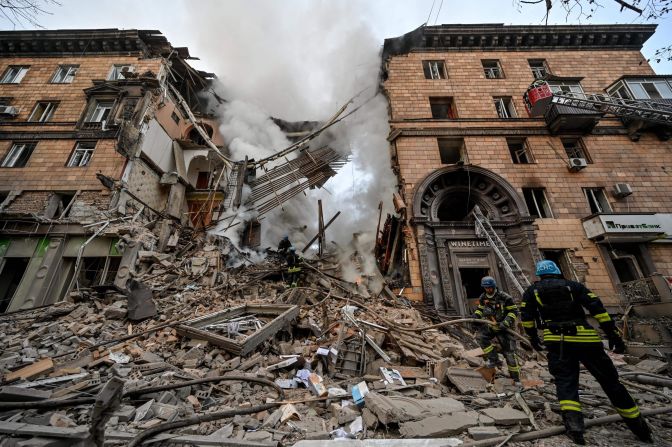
583 183
109 145
95 132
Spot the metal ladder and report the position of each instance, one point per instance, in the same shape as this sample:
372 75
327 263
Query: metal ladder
229 194
484 229
643 109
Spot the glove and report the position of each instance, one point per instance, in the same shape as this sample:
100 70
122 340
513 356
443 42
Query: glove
504 325
536 343
616 343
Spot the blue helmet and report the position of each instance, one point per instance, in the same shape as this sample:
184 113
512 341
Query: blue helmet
488 281
547 267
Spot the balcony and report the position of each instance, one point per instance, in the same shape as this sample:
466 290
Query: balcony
649 290
625 227
566 119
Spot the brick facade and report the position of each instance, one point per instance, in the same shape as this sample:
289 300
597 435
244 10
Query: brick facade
615 157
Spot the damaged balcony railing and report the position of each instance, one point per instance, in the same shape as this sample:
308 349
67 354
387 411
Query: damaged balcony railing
652 289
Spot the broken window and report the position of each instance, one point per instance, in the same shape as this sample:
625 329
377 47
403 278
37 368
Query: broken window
619 91
597 200
91 271
119 71
175 118
492 69
18 155
434 69
11 274
65 74
539 68
99 111
451 150
43 111
575 149
504 106
6 109
519 150
628 261
195 136
442 108
82 154
537 205
14 74
59 205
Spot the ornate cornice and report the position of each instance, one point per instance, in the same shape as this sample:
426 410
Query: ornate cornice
498 36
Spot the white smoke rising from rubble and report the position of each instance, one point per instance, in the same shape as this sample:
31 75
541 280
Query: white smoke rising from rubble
300 61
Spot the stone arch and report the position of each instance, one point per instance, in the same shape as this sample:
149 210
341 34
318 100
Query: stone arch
438 195
194 136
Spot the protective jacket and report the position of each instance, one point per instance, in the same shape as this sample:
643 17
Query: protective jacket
499 307
557 305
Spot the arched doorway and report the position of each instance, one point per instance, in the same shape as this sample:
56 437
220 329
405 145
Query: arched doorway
452 257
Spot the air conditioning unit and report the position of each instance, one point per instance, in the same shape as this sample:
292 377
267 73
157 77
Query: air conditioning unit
622 190
576 164
9 111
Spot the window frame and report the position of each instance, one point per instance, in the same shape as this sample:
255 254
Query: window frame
50 109
440 72
497 70
27 145
525 150
582 150
462 149
438 101
91 111
68 78
547 210
544 67
117 69
630 83
87 154
510 109
597 204
20 74
569 85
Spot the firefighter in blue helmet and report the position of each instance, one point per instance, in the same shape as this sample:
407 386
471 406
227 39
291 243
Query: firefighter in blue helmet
498 307
556 305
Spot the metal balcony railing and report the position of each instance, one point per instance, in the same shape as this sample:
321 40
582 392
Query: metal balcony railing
652 289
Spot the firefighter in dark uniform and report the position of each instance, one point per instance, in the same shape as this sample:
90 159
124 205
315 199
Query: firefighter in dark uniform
293 267
284 245
498 307
556 305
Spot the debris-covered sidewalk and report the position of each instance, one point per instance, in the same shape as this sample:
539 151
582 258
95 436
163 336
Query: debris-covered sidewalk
194 353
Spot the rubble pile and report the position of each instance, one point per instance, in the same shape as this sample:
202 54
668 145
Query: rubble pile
197 351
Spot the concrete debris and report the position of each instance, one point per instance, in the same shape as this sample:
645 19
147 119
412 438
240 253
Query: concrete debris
188 336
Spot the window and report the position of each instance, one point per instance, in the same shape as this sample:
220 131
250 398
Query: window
18 155
650 89
619 91
492 69
100 111
118 71
442 108
65 74
6 109
575 149
452 150
43 112
597 200
175 118
14 74
565 87
82 154
537 205
539 68
504 106
520 151
434 69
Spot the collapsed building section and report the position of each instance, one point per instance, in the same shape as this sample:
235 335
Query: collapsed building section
110 146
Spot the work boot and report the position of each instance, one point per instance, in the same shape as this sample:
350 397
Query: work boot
574 425
493 360
640 428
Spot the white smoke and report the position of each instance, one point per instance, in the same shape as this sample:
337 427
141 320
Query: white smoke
301 61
